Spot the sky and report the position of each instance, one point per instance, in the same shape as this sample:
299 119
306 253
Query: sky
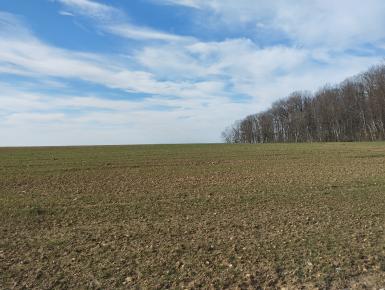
78 72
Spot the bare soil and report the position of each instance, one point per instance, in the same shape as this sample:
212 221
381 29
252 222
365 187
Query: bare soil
273 216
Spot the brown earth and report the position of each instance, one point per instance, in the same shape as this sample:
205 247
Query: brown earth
294 216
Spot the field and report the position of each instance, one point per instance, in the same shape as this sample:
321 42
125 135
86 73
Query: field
276 216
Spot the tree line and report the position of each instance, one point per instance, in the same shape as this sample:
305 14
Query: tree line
353 110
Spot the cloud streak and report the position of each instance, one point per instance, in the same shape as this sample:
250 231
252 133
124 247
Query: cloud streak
172 88
92 9
114 21
327 23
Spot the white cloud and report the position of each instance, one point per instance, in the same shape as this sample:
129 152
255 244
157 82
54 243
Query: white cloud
66 13
114 21
23 118
33 116
142 33
192 88
327 23
26 55
92 9
188 3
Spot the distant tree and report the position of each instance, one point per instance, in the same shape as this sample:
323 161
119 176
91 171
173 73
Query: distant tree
354 110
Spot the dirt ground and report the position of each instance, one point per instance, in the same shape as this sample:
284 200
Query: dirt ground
272 216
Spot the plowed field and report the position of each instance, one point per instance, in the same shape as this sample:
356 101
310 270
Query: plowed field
193 216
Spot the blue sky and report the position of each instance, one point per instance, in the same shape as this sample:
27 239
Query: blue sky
75 72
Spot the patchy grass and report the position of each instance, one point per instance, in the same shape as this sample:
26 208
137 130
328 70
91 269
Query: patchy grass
193 216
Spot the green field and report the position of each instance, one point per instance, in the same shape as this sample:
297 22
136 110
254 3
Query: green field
193 216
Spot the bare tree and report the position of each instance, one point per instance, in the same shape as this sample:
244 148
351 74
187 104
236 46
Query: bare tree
354 110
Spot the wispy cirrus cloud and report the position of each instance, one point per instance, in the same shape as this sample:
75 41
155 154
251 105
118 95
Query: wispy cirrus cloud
45 119
178 104
92 9
66 13
187 3
114 21
169 88
327 23
22 53
130 31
